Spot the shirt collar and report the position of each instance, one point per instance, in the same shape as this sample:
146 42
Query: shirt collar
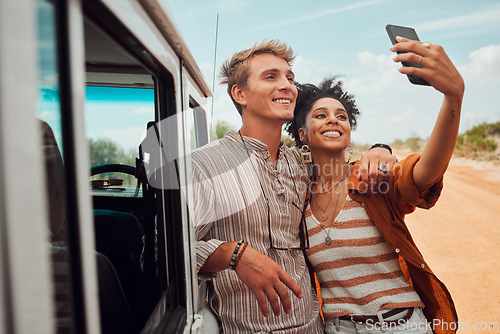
253 144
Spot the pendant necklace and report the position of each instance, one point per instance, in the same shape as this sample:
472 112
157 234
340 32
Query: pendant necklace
324 215
328 239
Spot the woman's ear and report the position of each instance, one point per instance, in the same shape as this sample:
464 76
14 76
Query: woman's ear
238 95
302 136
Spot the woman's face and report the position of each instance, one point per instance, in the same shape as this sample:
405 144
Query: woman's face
327 126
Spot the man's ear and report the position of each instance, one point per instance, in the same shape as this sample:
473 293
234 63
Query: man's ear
238 95
302 136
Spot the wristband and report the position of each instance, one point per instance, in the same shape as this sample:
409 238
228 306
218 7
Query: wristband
387 147
235 253
243 247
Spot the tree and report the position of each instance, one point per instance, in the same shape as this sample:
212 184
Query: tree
105 151
221 127
288 140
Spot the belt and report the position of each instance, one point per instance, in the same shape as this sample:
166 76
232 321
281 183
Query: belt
374 318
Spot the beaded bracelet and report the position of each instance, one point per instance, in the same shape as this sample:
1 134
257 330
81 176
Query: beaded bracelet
243 247
235 253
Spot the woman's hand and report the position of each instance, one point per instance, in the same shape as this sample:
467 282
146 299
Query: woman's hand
436 67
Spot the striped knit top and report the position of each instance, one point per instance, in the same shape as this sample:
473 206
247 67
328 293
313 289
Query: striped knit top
359 273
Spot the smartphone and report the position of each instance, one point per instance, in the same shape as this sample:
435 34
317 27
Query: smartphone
409 33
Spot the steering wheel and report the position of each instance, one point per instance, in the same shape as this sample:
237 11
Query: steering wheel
107 168
112 168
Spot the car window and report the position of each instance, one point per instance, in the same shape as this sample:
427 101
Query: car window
116 119
49 113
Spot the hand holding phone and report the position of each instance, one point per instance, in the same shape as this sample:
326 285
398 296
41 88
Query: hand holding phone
409 33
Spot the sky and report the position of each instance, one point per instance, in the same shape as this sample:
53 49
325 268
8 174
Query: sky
120 114
348 38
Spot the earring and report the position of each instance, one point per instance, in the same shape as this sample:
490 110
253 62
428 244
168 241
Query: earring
305 154
349 150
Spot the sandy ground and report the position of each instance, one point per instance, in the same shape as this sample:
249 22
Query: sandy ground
460 240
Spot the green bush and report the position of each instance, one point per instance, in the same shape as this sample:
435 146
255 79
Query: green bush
478 141
414 143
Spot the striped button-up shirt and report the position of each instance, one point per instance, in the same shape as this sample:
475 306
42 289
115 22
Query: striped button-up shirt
231 180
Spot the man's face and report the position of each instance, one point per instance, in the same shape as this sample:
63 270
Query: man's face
270 93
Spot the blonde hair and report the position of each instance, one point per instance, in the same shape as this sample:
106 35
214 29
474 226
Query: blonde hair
235 70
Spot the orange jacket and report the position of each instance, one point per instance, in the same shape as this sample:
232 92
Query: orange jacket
387 206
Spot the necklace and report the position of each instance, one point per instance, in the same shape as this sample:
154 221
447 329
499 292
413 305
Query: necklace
328 190
328 239
324 215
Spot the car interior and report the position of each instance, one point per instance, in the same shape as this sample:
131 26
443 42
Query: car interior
124 206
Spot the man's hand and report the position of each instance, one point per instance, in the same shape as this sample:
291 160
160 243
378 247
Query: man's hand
370 170
267 281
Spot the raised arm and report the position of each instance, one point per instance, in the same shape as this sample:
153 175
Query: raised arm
439 71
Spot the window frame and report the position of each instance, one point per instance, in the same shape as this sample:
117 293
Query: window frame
26 271
168 103
26 290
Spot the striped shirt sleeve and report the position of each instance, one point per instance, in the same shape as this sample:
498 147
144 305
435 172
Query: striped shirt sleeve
204 215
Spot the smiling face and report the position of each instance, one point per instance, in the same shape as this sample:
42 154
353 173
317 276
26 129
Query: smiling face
270 92
327 127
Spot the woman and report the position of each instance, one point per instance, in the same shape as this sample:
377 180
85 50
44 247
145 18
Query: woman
372 276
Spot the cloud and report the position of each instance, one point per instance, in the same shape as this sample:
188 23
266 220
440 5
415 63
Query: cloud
224 109
127 138
231 5
143 111
375 73
50 80
320 14
49 115
482 81
485 65
302 69
195 12
464 21
393 108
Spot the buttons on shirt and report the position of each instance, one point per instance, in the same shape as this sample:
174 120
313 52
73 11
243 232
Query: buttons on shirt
398 250
267 156
280 191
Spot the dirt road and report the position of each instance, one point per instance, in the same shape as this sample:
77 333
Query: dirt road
460 239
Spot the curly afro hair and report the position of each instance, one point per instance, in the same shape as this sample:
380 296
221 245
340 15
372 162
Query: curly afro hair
309 94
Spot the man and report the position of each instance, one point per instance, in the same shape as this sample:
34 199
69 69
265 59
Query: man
249 191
